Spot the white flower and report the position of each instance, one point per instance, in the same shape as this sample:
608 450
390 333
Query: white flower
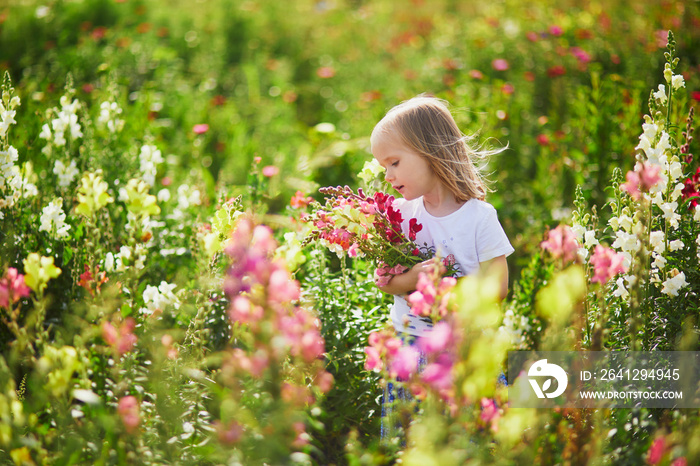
660 95
626 242
657 239
109 262
620 291
579 231
53 219
676 245
582 253
66 174
163 195
108 118
677 81
150 158
696 216
158 298
677 191
659 261
625 222
125 252
669 209
45 132
590 239
674 284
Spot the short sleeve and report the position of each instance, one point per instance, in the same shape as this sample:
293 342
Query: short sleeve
491 240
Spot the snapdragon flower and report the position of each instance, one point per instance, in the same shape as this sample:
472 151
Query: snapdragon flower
66 174
673 285
149 158
660 95
53 219
109 117
159 298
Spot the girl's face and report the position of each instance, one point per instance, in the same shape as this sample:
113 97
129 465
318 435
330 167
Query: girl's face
408 172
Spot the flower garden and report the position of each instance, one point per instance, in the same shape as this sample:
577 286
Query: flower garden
191 223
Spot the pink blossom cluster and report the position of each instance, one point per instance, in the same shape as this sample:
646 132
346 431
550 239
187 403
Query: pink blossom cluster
122 340
12 287
561 243
606 264
387 354
262 294
129 412
430 300
644 177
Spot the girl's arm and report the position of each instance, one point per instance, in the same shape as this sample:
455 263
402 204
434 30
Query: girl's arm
405 283
497 266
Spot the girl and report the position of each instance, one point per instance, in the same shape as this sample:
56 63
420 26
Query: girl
428 161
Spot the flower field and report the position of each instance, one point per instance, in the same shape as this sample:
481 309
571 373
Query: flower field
188 213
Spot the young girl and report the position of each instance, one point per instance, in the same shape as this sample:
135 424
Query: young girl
429 162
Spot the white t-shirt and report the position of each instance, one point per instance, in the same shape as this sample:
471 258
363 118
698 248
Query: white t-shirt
470 235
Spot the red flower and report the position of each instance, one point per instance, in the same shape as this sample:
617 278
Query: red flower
556 70
696 96
413 228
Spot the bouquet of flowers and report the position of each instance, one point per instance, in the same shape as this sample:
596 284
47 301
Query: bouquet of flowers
359 225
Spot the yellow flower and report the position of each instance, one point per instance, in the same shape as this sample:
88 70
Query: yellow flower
138 199
92 195
38 270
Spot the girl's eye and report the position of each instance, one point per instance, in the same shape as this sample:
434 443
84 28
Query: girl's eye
395 164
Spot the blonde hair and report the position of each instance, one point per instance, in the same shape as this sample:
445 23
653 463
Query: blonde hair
426 125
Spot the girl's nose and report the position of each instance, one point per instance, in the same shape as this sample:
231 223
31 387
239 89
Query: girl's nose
388 175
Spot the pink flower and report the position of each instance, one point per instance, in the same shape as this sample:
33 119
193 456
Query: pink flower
242 310
439 374
580 54
299 200
353 250
644 177
373 362
324 381
122 340
489 410
606 264
561 242
12 287
476 74
656 451
499 64
282 288
302 437
507 88
555 30
383 275
325 72
270 171
128 410
404 363
229 434
680 461
200 128
312 345
437 339
419 305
